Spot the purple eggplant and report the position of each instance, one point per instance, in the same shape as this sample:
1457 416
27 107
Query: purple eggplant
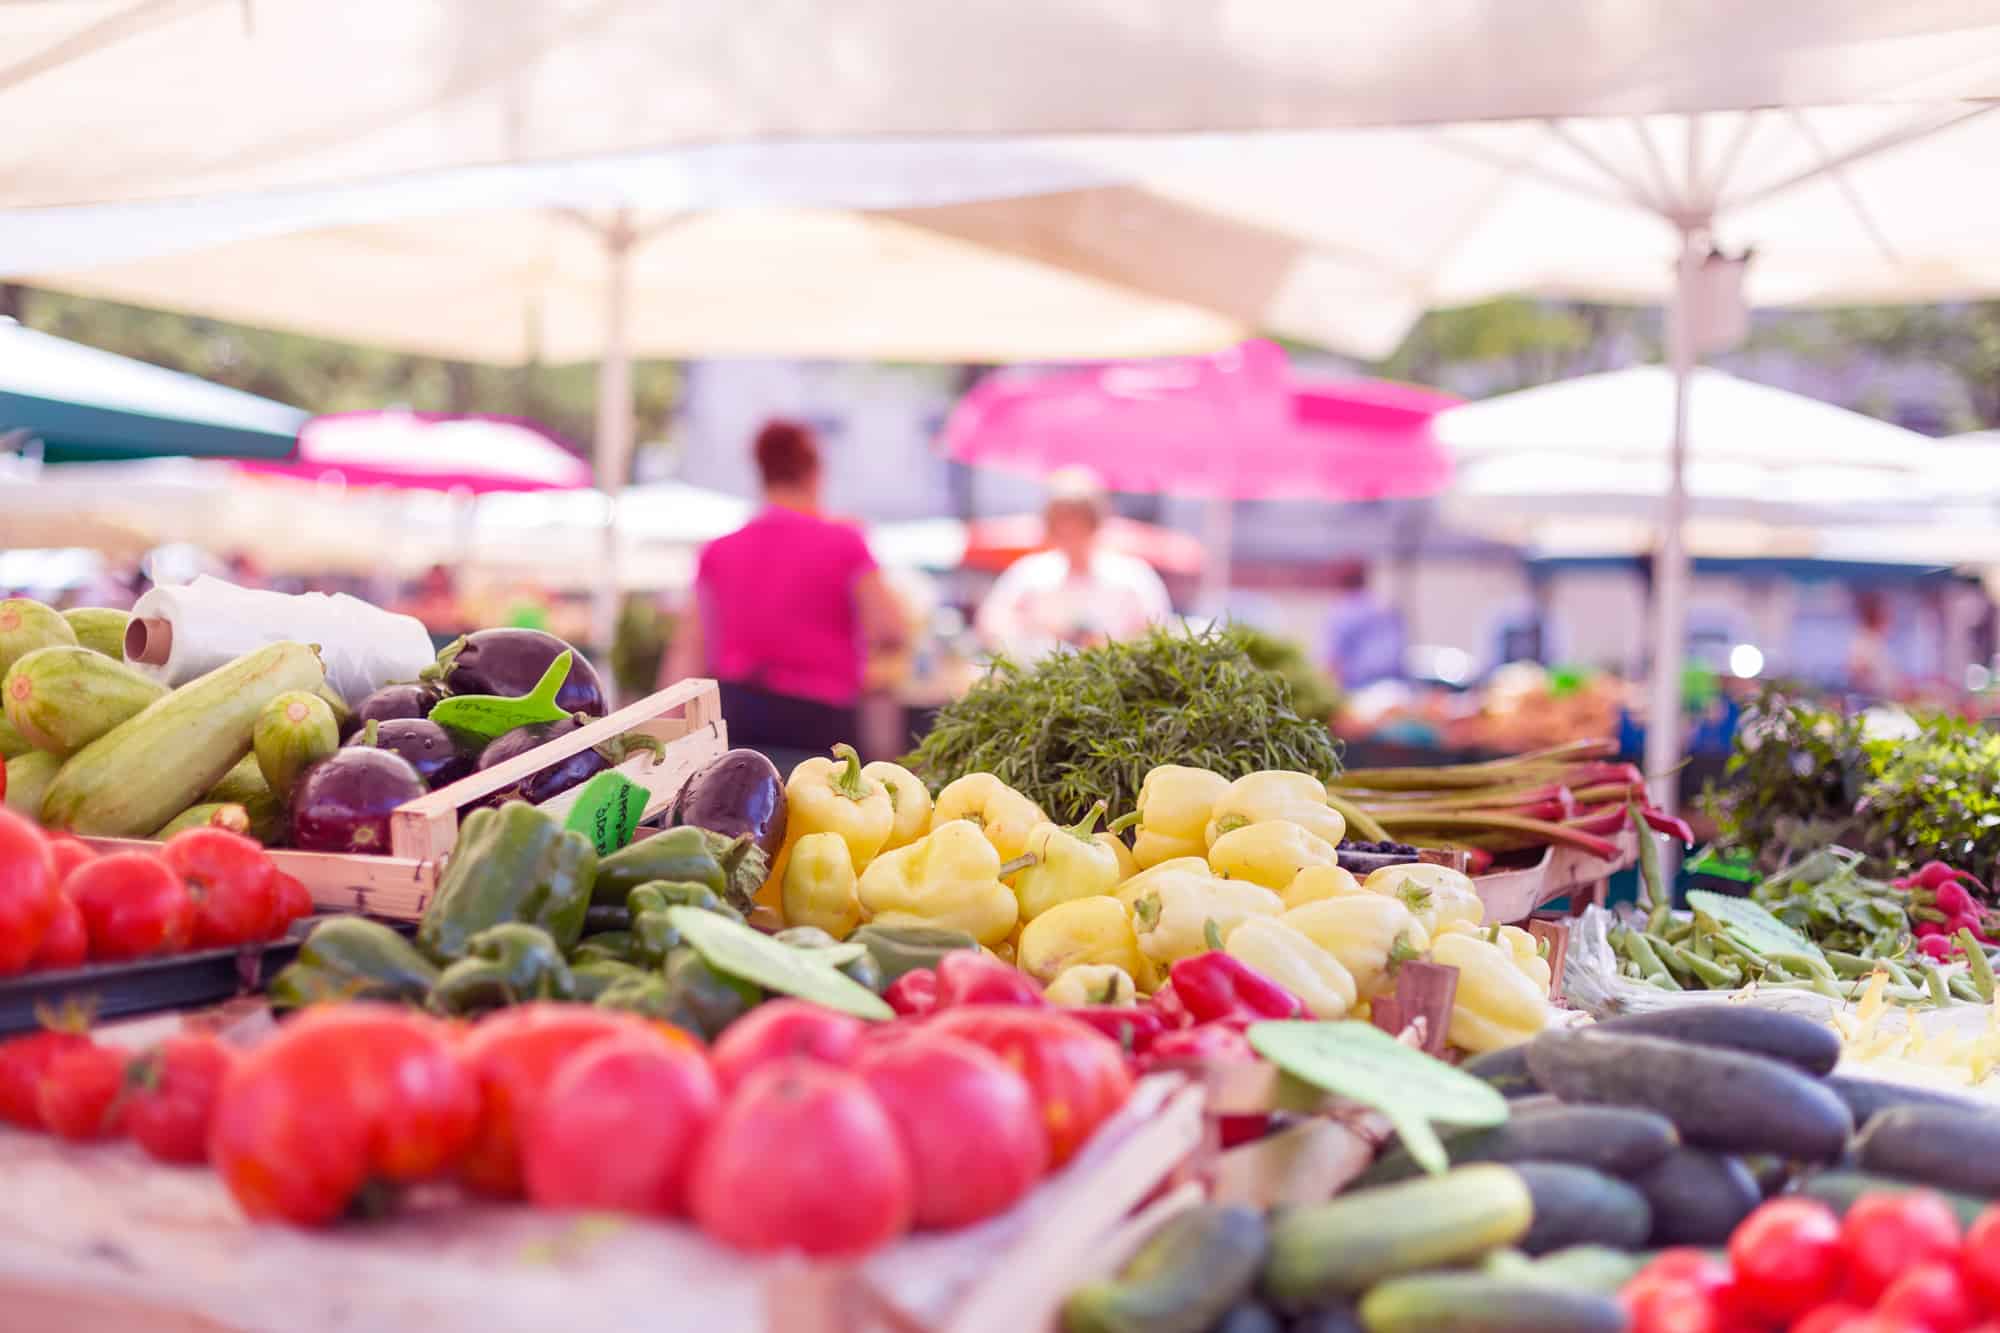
557 777
510 663
393 703
342 803
430 749
735 793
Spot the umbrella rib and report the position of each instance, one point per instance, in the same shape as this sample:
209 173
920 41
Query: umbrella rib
1881 143
1657 167
1837 173
1519 164
106 32
1635 191
1725 166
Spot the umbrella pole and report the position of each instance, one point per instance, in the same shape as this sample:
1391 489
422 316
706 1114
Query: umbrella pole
614 419
1670 569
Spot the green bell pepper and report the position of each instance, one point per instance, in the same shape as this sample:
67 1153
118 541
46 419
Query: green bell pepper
863 969
900 949
610 946
597 975
353 958
510 865
679 855
654 936
506 964
706 1001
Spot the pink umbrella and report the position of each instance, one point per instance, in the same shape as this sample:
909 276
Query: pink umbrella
1232 426
428 451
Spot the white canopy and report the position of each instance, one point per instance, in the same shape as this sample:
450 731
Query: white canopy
131 100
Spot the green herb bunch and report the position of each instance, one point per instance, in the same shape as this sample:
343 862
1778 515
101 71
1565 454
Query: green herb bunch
1314 692
1079 727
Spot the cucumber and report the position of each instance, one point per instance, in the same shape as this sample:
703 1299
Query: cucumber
1506 1069
1800 1042
1249 1317
63 698
1934 1145
1474 1303
26 625
1612 1139
241 785
1839 1189
100 629
1333 1319
1866 1096
1589 1268
28 779
1193 1269
1697 1197
1716 1098
296 729
142 773
12 742
214 814
1575 1205
1344 1247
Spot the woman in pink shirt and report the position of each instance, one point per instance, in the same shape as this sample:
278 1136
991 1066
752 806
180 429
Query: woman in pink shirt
787 608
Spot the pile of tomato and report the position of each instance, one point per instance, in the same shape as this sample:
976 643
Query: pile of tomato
62 904
1895 1263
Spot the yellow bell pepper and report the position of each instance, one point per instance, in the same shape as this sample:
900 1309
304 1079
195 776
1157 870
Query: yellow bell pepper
1497 1005
1112 836
1069 863
1435 895
908 797
1174 806
819 885
1526 951
1003 814
1317 883
1289 958
832 796
1271 853
1138 886
1369 934
1254 798
1080 931
1185 913
950 878
1087 984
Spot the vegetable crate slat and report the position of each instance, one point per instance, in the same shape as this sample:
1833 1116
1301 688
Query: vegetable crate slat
685 718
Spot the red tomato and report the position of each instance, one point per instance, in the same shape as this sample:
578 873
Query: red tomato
1787 1258
27 891
650 1097
1829 1318
1931 1295
968 1123
23 1061
69 853
81 1093
513 1057
1671 1305
341 1095
133 904
1077 1074
66 943
1981 1257
802 1157
232 882
1885 1235
780 1030
173 1091
293 901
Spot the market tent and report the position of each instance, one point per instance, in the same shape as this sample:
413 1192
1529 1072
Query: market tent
290 93
82 403
430 451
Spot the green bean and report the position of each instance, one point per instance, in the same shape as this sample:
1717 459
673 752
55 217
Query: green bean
1643 955
1964 988
1677 931
1703 946
1979 964
1659 898
1714 975
1661 981
1852 964
1940 994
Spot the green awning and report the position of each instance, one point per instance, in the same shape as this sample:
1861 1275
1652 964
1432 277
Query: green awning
89 405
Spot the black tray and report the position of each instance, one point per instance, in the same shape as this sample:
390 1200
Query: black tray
119 990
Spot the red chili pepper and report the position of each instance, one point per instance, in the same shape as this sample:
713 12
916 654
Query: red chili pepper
1166 1002
1599 819
1210 1041
1215 986
915 993
968 977
1661 822
1132 1027
1478 860
1937 947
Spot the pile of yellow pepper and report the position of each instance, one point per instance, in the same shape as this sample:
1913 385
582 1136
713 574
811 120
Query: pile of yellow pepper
1249 867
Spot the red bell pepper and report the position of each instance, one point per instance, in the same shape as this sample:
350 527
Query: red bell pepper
1166 1002
1211 1041
1661 822
1133 1027
968 977
1217 988
915 993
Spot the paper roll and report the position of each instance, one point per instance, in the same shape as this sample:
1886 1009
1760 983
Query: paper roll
206 623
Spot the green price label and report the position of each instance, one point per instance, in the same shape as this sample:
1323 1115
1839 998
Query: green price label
608 810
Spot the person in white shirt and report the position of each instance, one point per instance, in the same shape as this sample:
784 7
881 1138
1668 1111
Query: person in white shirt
1073 594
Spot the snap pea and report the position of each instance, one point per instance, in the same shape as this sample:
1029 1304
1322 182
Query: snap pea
1712 974
1648 961
1962 987
1659 899
1940 993
1981 966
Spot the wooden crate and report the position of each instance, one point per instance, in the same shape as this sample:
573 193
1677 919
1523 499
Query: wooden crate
1513 896
686 719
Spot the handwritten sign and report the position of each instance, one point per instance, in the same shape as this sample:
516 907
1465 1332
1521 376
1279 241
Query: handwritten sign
489 716
608 810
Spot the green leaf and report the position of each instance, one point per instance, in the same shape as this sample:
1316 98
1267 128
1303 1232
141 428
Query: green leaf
490 716
1751 925
607 811
1365 1064
807 974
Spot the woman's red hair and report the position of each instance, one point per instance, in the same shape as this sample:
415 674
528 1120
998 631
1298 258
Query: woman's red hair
787 453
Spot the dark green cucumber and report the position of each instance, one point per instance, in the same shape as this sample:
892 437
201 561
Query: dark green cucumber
1473 1303
1866 1096
1839 1189
1934 1145
1249 1317
1809 1046
1506 1069
1192 1270
1339 1318
1575 1205
1716 1098
1342 1248
1611 1139
1697 1197
1588 1267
